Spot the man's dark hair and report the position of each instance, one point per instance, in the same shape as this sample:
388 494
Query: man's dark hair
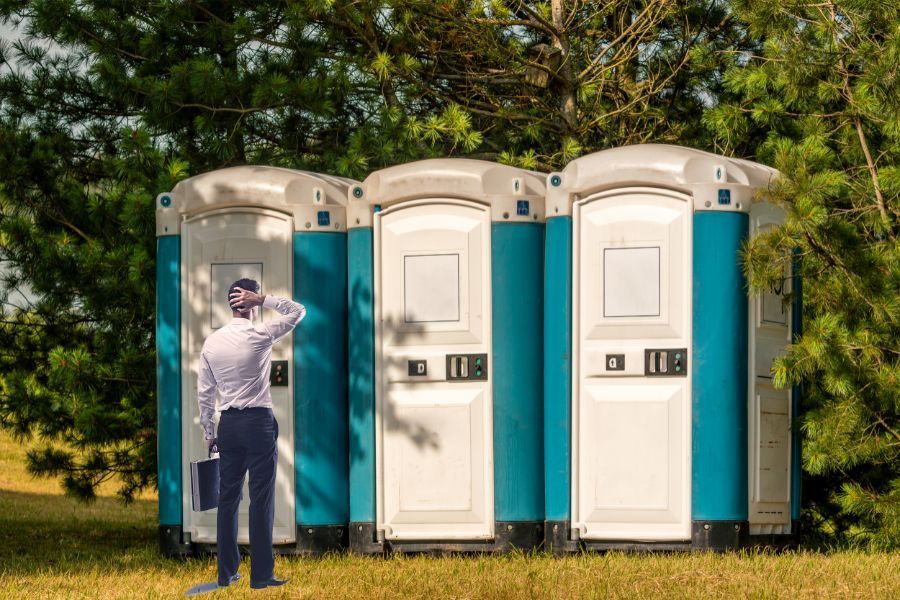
244 284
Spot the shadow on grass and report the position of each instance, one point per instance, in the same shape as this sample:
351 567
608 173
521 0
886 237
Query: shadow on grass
49 531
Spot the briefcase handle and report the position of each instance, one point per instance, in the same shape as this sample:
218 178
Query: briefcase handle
214 449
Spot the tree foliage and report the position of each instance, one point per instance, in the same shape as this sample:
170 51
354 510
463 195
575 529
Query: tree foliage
543 82
78 362
825 90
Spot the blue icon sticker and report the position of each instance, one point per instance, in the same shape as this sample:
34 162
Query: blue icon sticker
724 196
522 208
324 218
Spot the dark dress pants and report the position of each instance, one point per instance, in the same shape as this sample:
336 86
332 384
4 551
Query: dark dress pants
247 439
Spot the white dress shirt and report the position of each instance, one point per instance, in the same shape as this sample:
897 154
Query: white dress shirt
236 360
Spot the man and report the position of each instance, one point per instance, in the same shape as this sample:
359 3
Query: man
237 359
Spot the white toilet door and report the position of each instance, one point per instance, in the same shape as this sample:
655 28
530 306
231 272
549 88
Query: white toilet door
769 408
217 249
434 462
631 410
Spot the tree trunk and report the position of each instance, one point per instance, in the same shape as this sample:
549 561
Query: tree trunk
567 107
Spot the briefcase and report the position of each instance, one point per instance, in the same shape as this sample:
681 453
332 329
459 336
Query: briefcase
205 484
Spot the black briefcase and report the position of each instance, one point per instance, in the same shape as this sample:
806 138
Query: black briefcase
205 483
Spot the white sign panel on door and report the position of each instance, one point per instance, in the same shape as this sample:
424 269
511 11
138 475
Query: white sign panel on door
631 282
431 288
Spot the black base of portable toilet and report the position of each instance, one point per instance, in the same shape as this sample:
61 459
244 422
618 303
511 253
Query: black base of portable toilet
170 542
311 541
557 541
509 536
719 535
319 539
716 536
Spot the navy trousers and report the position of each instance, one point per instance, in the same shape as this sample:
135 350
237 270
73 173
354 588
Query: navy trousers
247 439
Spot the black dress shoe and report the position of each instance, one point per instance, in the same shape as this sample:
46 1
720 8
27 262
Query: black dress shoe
274 582
233 579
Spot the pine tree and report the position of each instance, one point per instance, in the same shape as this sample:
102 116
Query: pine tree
78 362
539 83
219 83
825 90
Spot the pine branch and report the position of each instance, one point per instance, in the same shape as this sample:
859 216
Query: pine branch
873 173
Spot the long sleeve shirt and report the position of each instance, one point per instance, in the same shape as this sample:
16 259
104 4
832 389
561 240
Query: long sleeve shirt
236 360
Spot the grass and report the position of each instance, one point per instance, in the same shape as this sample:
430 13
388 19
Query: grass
53 547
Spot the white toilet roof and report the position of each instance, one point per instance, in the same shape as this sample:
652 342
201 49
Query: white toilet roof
299 193
258 185
451 177
660 164
702 176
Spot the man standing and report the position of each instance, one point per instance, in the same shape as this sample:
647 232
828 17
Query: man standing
237 359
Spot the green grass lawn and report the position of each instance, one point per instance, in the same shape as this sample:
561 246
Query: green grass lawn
53 547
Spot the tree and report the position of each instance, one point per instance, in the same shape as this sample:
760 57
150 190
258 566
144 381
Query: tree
825 89
543 82
77 362
219 83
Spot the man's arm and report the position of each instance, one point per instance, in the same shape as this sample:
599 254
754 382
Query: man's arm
290 313
206 398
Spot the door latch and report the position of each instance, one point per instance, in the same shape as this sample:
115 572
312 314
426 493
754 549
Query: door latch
467 367
279 374
665 362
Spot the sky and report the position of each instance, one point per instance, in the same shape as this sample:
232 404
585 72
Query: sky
7 34
6 31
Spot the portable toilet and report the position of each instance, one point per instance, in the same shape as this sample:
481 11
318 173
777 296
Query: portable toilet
662 427
445 286
287 230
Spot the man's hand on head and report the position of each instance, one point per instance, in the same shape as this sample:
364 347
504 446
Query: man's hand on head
243 300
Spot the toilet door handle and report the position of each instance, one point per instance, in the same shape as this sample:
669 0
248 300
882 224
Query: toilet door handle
459 367
665 362
467 367
278 377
